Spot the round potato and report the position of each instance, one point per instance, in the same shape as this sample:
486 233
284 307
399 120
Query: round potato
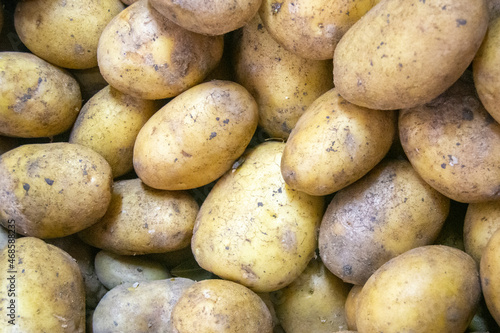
374 66
64 33
145 55
53 189
37 99
196 137
490 273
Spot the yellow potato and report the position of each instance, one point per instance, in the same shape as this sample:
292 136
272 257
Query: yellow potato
490 272
351 304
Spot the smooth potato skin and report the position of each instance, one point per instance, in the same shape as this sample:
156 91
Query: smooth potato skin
490 271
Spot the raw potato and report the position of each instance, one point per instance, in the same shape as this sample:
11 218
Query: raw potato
196 137
433 288
48 287
374 66
221 306
490 273
37 99
254 229
334 144
145 55
351 304
53 189
283 84
208 17
142 220
65 33
311 28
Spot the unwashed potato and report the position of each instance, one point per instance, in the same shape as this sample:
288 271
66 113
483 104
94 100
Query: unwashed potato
53 189
490 273
37 99
145 55
403 54
64 33
42 289
335 143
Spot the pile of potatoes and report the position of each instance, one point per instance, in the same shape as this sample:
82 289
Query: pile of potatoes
250 166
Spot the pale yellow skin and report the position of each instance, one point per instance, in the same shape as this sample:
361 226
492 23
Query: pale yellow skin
283 84
334 144
64 33
314 302
49 289
220 306
252 228
374 66
208 17
490 272
142 220
139 307
454 145
37 99
144 55
109 123
53 189
432 288
196 137
389 211
350 305
311 28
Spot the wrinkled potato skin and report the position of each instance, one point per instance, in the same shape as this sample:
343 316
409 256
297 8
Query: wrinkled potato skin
389 211
351 304
76 26
283 84
54 189
490 272
311 28
143 54
37 99
433 288
334 144
374 67
142 220
50 293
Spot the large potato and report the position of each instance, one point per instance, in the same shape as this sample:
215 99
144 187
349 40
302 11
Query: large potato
402 54
53 189
490 275
196 137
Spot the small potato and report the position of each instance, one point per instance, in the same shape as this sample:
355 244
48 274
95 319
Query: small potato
53 189
490 275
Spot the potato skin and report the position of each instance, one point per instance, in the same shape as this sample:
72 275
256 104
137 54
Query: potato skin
490 272
375 68
351 304
53 189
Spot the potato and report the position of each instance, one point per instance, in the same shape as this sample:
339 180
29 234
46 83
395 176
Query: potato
283 84
350 305
220 306
389 211
145 55
42 289
311 29
490 272
64 33
454 144
433 288
139 307
37 99
208 17
252 228
109 123
196 137
53 189
374 67
334 144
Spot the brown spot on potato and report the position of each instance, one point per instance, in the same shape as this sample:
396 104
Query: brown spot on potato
276 7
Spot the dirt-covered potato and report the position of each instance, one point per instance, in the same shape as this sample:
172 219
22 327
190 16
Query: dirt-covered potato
334 144
145 55
351 303
283 83
42 289
53 189
196 137
490 275
389 211
37 99
253 228
220 306
64 33
433 288
109 123
142 220
402 54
